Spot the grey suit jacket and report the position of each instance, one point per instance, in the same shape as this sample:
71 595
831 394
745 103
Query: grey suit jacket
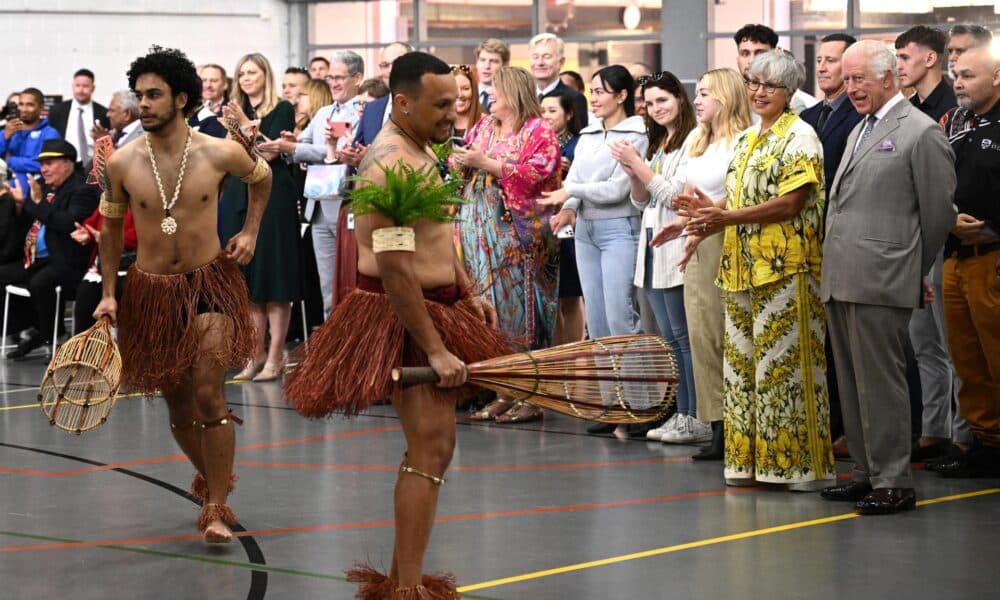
134 134
891 208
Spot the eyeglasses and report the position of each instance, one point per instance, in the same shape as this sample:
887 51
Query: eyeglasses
461 69
769 88
644 79
335 78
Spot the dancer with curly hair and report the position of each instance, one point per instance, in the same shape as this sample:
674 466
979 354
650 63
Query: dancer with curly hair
185 313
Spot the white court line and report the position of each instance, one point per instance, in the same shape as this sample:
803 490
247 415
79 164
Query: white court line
27 389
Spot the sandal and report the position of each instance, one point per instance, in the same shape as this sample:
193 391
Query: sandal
521 413
270 372
250 371
493 410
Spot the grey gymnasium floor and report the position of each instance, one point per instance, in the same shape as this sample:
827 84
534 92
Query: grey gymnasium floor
538 511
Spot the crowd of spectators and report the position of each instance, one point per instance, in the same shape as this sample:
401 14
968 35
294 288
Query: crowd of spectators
825 270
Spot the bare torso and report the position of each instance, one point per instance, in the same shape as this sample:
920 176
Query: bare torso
434 259
196 241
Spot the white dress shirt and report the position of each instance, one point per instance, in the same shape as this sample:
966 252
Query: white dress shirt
71 126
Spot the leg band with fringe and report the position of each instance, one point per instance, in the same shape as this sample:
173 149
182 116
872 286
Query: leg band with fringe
373 585
159 335
199 486
223 421
212 512
404 467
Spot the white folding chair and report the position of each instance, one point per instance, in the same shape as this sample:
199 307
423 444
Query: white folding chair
14 290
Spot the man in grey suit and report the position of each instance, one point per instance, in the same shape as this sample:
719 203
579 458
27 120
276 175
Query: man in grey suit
890 213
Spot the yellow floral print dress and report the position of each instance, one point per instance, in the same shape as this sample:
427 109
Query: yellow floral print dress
775 401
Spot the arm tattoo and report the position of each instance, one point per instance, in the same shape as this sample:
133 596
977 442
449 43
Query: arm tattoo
376 154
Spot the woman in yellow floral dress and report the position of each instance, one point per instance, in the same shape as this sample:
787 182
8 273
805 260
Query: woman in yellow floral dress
776 407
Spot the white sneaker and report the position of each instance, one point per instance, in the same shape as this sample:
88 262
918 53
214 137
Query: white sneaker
689 431
657 434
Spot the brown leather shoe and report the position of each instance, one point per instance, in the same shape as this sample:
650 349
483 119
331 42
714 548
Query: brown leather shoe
851 492
840 448
886 501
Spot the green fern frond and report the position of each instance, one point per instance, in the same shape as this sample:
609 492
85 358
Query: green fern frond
407 195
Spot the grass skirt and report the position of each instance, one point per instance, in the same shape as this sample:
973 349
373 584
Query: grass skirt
349 360
157 333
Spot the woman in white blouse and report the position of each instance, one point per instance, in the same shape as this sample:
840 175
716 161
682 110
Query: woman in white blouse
655 180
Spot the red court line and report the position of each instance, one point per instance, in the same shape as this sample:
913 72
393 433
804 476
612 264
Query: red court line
376 524
542 467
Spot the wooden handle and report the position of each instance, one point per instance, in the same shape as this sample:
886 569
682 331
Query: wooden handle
414 375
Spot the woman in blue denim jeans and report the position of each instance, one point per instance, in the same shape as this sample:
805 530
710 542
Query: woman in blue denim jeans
595 198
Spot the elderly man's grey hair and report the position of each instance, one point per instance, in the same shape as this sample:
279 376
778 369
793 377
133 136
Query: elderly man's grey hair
877 56
128 101
352 60
778 67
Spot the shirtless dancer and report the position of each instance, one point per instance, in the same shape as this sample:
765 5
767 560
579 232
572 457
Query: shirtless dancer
411 309
185 310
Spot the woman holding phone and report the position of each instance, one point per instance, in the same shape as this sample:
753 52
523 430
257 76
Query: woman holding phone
509 251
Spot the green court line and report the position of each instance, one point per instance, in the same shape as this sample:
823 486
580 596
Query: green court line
203 559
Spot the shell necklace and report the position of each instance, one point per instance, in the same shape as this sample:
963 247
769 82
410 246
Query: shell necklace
169 225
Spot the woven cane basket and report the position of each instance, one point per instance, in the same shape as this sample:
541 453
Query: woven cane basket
78 391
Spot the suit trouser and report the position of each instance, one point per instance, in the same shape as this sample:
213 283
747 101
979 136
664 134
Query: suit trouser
868 343
706 313
972 319
324 237
937 376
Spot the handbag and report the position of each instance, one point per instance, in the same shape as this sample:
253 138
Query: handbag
325 182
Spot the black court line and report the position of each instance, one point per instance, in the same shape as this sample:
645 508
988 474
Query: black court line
258 579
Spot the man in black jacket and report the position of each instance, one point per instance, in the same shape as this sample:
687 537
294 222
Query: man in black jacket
74 118
51 257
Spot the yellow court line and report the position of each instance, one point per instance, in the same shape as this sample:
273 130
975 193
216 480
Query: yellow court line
701 543
120 397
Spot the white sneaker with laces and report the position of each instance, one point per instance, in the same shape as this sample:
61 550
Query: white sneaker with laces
656 435
673 436
689 431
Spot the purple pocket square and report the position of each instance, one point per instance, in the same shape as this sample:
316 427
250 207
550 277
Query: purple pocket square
886 146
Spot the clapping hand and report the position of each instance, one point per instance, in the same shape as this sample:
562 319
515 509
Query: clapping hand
690 200
36 190
352 154
235 111
670 231
98 131
553 198
469 157
627 156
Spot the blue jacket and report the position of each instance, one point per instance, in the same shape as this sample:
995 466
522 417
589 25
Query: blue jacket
24 147
834 136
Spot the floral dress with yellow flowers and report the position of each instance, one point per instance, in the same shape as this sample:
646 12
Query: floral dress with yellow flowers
776 404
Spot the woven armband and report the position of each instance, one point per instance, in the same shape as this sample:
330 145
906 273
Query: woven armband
260 171
394 239
112 210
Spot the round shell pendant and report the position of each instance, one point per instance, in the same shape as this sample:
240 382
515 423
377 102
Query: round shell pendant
168 225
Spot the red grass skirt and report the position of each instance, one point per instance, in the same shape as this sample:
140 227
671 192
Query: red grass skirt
349 360
157 336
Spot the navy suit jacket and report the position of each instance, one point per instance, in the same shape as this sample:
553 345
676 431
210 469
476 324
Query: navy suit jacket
834 135
371 120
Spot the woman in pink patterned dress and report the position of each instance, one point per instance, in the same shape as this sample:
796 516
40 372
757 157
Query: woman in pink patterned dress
512 258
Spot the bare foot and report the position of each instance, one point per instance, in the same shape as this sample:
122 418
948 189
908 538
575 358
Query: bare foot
218 532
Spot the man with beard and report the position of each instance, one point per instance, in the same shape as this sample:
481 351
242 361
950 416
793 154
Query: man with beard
410 309
184 315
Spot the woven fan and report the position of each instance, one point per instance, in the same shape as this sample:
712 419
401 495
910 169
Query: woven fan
78 391
618 379
238 136
102 152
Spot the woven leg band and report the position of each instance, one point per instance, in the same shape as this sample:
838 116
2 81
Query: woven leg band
404 467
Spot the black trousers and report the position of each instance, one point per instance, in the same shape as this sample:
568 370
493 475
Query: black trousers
41 280
88 296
